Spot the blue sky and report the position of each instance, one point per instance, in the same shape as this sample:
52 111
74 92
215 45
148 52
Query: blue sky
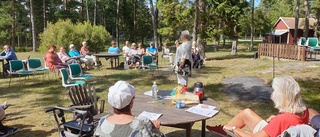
256 2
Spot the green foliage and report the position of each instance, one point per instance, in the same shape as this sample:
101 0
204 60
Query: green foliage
175 16
5 22
64 33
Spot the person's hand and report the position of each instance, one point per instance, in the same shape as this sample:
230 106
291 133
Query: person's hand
156 123
270 118
181 65
177 43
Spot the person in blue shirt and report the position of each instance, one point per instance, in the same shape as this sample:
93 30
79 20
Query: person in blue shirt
114 48
152 51
7 54
73 53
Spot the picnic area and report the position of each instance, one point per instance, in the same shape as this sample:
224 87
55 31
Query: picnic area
225 80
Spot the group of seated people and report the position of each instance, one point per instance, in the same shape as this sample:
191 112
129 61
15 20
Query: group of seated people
133 54
286 97
60 60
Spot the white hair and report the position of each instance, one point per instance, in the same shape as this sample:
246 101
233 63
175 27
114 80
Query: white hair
84 43
286 95
186 34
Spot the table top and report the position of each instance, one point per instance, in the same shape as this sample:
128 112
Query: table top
170 114
106 55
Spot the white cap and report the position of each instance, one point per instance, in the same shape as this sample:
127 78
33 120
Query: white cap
120 94
71 46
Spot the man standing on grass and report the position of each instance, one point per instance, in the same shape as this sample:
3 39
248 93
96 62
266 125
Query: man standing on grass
183 59
7 54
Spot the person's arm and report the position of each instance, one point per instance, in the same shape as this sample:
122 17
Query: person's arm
242 133
8 55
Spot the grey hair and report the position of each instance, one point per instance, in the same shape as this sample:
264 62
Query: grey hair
186 34
84 42
286 95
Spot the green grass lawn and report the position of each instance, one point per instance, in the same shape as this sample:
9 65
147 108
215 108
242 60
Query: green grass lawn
28 99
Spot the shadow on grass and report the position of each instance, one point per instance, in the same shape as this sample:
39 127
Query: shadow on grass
26 131
232 57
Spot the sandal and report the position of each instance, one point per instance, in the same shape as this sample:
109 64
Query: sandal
218 129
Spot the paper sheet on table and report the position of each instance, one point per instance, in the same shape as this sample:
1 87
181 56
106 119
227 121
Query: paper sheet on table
150 115
204 110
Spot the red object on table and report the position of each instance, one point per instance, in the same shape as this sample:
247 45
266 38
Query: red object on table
199 93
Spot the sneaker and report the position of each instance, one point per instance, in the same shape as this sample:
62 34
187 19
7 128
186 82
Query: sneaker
9 132
217 130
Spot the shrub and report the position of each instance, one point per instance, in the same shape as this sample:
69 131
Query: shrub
64 33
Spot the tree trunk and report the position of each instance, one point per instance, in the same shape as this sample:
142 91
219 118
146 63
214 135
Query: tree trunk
316 24
296 22
234 48
306 27
64 4
117 22
224 42
33 31
251 24
195 21
202 12
135 20
154 24
13 41
87 11
44 14
95 12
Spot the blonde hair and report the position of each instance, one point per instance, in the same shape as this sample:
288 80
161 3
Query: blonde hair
286 95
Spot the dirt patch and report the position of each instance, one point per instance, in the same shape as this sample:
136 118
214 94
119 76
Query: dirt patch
247 88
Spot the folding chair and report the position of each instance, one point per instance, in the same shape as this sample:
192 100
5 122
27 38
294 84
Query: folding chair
76 72
17 67
66 82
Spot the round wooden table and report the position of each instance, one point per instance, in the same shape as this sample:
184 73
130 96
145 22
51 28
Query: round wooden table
172 116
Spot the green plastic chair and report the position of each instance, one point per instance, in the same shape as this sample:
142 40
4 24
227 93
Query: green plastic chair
148 62
66 82
35 65
302 41
312 43
76 72
17 68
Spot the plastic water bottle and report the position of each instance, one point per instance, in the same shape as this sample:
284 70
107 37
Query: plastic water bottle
154 91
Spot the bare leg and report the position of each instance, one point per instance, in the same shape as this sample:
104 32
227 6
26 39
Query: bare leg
246 117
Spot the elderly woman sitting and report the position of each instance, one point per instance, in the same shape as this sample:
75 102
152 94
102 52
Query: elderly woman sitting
122 123
292 111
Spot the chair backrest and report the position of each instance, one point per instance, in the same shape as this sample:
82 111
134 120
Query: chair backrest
84 95
16 65
64 75
34 64
75 69
312 42
302 41
147 60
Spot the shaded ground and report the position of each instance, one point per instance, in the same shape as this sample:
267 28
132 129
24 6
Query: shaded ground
247 88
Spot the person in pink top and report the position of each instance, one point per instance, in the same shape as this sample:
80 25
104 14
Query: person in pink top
86 52
52 59
292 111
65 58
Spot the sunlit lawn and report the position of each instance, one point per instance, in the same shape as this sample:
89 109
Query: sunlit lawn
29 98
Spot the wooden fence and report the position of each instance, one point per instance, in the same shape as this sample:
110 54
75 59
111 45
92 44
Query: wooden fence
283 51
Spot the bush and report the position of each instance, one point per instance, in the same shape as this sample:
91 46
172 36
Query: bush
64 33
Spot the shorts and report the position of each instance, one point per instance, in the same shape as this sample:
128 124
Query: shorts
259 126
315 121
